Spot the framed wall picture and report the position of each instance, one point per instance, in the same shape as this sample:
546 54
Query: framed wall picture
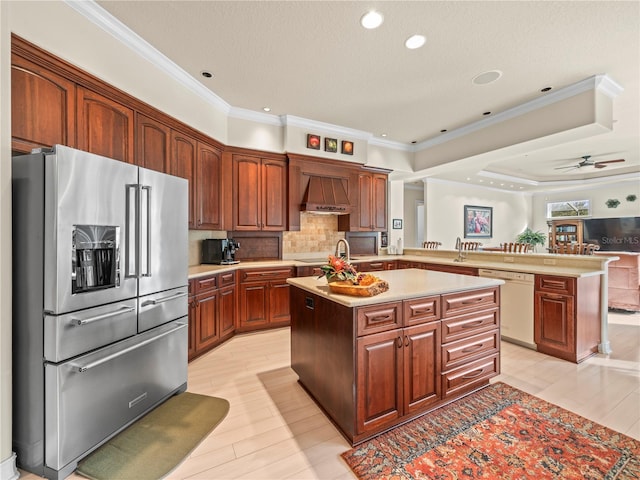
478 221
347 147
313 141
330 145
397 223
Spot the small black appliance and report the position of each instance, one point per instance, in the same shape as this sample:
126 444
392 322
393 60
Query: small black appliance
219 251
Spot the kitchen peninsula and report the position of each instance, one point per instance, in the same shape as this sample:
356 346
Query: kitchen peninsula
374 362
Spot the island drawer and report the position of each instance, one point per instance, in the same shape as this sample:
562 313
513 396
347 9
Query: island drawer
464 326
421 310
469 376
463 302
555 284
379 318
461 351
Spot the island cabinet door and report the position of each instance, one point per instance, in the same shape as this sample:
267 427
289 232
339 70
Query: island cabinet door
379 380
422 383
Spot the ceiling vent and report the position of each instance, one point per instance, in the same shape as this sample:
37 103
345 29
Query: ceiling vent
326 195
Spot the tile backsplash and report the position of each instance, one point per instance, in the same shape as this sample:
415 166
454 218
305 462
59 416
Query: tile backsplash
317 237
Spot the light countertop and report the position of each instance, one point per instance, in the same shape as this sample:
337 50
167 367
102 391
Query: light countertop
403 284
545 264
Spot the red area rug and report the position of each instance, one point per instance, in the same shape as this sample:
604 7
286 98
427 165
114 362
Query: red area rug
498 433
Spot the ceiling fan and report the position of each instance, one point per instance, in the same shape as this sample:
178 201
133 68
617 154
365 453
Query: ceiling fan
587 162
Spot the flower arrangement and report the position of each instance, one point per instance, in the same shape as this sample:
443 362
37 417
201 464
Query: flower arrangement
338 269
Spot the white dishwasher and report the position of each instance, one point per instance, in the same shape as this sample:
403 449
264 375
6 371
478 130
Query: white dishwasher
516 306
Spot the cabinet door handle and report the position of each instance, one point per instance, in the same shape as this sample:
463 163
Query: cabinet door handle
473 374
472 348
406 340
399 342
477 323
471 302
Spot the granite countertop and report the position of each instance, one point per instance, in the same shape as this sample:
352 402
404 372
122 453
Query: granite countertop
403 284
545 264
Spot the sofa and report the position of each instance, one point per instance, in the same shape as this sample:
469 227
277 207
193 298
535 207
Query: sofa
624 280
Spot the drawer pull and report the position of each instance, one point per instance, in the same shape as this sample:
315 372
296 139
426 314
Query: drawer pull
471 302
422 312
472 348
380 318
474 374
554 296
477 323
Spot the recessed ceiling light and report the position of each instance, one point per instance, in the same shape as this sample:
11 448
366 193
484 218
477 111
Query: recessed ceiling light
384 134
206 74
371 20
546 89
266 109
415 41
486 77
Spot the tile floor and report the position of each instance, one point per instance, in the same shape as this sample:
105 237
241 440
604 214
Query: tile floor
275 431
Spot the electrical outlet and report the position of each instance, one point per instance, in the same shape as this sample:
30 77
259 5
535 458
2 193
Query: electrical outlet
549 261
508 259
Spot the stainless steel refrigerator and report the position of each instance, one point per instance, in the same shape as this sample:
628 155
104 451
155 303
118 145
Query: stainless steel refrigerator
100 258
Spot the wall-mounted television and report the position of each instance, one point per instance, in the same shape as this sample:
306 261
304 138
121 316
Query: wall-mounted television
613 234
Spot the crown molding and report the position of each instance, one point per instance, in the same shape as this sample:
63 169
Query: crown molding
110 24
596 82
254 116
293 121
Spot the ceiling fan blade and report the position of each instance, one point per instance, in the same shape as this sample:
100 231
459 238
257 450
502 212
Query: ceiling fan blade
567 167
608 161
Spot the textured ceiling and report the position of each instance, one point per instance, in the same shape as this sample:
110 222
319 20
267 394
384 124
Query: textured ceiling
313 60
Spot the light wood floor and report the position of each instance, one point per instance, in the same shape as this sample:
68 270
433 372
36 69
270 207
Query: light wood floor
275 431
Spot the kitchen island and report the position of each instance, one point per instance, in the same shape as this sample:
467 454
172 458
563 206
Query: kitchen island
372 363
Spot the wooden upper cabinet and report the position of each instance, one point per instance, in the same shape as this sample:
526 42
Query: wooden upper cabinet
372 202
274 195
208 185
42 107
260 193
183 164
153 144
105 127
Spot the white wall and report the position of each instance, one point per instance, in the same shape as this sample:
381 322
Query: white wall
444 211
6 461
412 194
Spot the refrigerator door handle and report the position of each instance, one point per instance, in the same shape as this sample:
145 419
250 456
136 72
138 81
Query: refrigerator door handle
83 367
158 301
145 230
86 321
131 231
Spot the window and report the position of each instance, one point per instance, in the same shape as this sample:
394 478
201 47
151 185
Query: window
570 208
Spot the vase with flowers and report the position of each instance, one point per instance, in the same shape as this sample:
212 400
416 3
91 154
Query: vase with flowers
338 269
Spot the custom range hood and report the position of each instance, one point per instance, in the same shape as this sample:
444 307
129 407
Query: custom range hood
325 195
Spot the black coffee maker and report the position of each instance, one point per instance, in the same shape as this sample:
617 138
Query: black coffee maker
219 251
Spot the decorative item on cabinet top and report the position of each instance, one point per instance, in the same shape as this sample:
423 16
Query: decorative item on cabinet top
347 147
330 145
313 141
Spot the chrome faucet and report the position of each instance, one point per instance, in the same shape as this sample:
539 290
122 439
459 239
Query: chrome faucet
461 256
347 253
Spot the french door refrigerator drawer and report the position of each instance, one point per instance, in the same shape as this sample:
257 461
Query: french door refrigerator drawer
72 334
92 397
162 307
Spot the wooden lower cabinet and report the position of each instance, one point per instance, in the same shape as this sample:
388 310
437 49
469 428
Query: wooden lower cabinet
403 358
212 312
264 298
397 374
567 316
